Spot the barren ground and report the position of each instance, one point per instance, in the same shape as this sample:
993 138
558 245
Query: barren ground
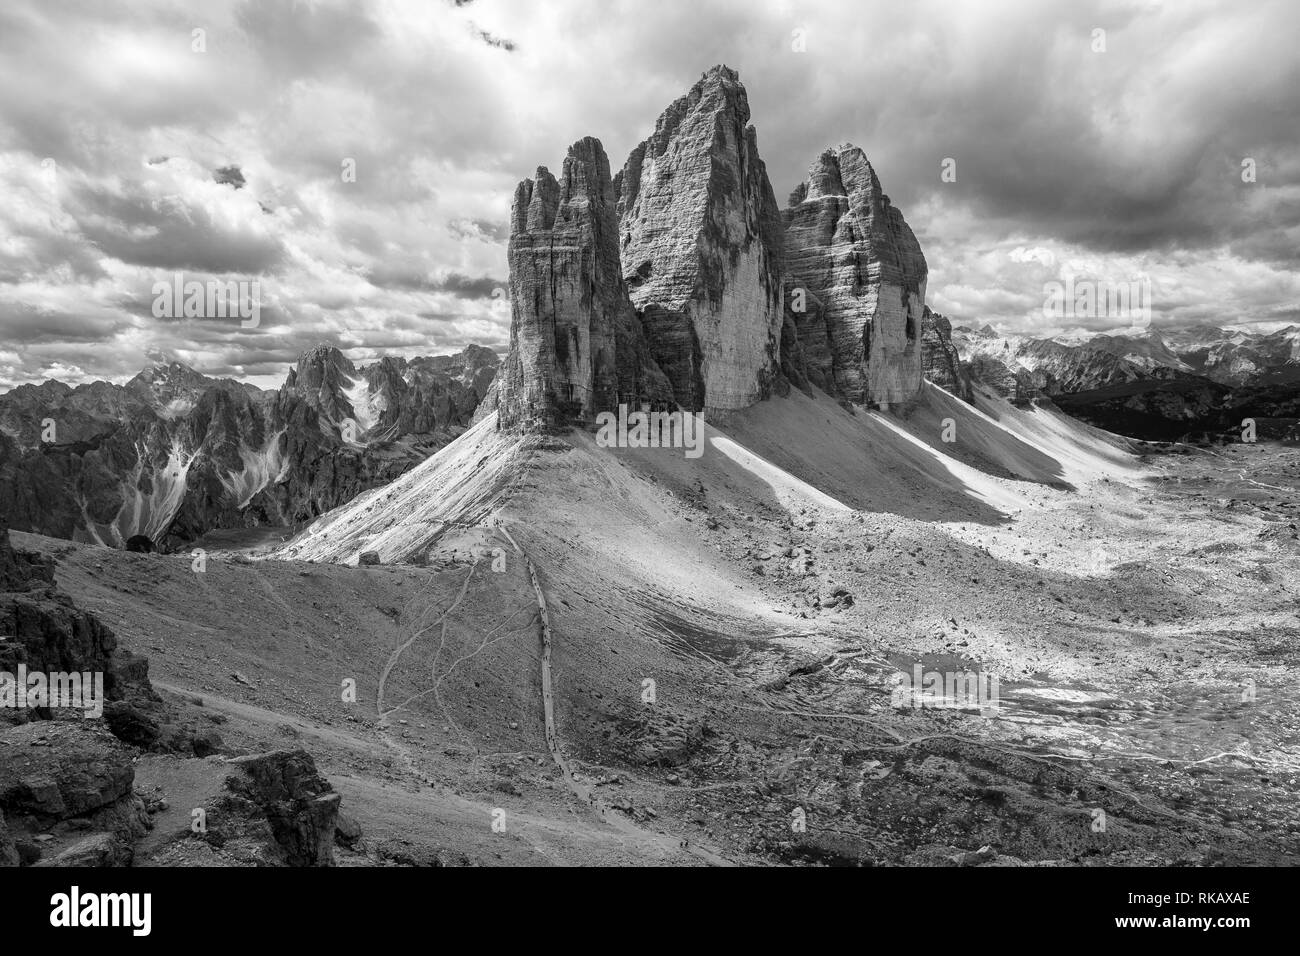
1139 612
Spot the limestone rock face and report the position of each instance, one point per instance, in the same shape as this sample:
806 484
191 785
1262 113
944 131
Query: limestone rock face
855 282
174 454
700 243
940 360
563 274
576 345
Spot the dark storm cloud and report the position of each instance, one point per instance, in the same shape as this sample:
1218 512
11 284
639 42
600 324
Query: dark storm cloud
465 287
26 324
170 233
305 40
228 176
378 145
411 276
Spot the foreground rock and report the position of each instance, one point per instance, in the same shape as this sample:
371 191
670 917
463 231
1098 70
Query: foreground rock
46 632
68 787
66 792
272 809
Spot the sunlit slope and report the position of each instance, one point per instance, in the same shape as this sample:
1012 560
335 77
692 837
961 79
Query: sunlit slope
786 456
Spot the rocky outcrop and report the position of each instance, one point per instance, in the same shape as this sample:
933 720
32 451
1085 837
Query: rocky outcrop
298 804
1013 382
700 244
68 777
66 792
855 282
267 809
174 454
576 345
565 288
46 632
70 795
940 360
59 769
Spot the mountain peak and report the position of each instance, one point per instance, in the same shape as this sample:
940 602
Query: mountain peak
169 377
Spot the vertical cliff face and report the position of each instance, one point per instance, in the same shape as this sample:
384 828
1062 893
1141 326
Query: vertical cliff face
700 242
681 283
576 345
855 282
564 291
940 360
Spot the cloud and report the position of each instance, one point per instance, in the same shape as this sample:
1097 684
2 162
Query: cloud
359 159
226 175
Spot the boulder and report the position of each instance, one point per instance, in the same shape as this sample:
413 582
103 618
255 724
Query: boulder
347 832
299 804
60 769
99 849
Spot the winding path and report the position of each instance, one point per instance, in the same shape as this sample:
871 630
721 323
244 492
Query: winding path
587 794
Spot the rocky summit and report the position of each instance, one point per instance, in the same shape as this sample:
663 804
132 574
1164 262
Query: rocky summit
700 240
855 282
681 283
576 344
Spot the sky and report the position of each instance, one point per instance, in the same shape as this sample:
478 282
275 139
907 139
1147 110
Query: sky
356 160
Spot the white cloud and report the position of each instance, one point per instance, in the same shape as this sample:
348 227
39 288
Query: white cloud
1116 161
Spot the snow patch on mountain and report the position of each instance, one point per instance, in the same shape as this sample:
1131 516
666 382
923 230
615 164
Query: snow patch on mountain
151 496
262 467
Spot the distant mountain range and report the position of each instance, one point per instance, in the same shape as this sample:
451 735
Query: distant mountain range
1156 386
173 454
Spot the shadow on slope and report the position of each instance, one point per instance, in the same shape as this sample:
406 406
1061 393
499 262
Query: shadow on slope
779 457
880 462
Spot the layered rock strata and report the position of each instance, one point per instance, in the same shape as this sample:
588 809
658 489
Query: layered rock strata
576 345
940 360
700 241
732 298
855 282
